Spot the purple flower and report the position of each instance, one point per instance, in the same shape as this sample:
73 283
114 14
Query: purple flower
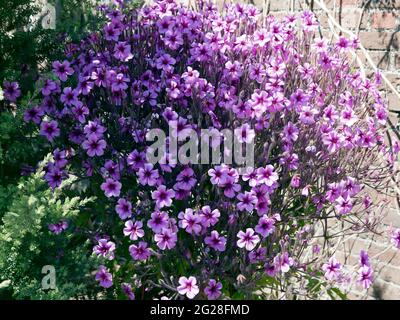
62 70
190 221
127 289
111 188
257 255
209 218
213 289
395 238
188 287
247 201
104 277
283 262
332 269
105 249
158 221
58 227
49 86
124 208
270 269
69 97
140 251
166 239
165 62
136 159
49 129
364 259
122 51
94 146
33 114
54 176
267 175
11 91
163 196
148 175
365 276
185 179
245 134
134 229
216 241
247 239
265 226
59 157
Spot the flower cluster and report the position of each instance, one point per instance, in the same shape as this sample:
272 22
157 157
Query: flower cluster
210 230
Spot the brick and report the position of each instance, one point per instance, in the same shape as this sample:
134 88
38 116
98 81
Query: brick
392 257
350 3
383 20
350 18
396 61
394 77
380 40
394 102
345 3
278 5
387 291
392 218
390 274
380 58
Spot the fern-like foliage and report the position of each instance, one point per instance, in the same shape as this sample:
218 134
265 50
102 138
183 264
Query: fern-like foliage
26 244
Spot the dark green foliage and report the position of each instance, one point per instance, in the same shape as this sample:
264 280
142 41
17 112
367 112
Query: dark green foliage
26 244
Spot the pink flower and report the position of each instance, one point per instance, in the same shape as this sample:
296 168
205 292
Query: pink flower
209 218
105 249
267 175
251 177
111 188
245 134
291 132
218 175
247 239
140 251
333 141
247 201
265 226
283 262
343 205
188 287
158 221
104 277
332 269
134 229
166 239
365 276
233 70
190 221
395 238
163 196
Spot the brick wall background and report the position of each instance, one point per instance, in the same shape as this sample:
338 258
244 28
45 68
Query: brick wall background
377 22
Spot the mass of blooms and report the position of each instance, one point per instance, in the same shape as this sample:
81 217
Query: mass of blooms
205 231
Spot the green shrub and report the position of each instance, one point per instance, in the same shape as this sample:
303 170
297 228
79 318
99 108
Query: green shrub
26 243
